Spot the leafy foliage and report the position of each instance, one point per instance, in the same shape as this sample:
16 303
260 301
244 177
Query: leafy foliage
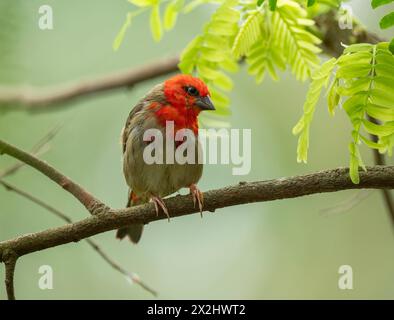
272 4
209 54
299 46
363 83
319 80
264 56
387 21
171 13
272 40
271 35
155 19
248 34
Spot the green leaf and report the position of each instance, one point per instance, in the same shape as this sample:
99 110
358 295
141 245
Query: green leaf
387 21
363 57
272 4
354 70
303 145
378 3
210 52
354 163
171 13
305 22
227 13
248 34
333 97
353 87
259 2
120 36
380 112
222 28
143 3
229 64
192 5
371 144
297 43
311 2
208 72
264 56
302 127
219 99
386 70
155 23
388 145
223 82
382 45
358 47
382 97
385 57
377 129
212 55
391 47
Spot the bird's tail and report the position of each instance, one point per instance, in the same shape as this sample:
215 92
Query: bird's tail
133 231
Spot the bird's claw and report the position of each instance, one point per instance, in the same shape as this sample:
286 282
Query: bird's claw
158 202
197 197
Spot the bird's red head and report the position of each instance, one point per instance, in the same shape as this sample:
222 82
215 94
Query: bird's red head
186 97
187 92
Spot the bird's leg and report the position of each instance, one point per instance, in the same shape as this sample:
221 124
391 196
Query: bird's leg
197 197
158 202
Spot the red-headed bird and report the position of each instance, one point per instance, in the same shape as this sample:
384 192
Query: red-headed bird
180 99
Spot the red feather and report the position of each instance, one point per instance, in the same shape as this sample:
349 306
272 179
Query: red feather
181 108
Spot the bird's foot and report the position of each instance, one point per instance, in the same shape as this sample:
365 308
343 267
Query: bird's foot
158 202
197 197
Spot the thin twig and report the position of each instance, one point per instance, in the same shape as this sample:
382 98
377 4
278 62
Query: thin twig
56 212
41 147
129 275
89 201
347 204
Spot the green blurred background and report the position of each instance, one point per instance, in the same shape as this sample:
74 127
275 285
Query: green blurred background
285 249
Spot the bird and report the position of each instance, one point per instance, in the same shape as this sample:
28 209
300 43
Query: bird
180 100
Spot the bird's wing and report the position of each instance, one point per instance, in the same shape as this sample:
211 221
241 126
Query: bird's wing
127 127
156 95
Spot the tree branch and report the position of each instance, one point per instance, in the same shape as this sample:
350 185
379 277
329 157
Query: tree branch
40 147
333 37
106 219
40 99
378 177
46 99
10 259
132 277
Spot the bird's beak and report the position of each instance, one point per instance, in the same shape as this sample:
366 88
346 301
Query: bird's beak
204 103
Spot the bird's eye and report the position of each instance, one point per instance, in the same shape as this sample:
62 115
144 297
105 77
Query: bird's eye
192 91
